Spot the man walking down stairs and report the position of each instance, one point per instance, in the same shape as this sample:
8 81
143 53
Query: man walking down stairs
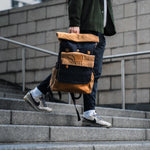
22 128
85 17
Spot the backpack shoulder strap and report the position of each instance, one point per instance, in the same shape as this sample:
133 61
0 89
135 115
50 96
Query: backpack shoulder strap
74 102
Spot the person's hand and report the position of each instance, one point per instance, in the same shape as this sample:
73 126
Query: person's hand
74 30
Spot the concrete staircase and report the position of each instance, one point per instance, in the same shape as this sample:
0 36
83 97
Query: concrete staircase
10 90
22 128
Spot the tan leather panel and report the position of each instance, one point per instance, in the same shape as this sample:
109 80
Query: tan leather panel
73 88
78 37
77 59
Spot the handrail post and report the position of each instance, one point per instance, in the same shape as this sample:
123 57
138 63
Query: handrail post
123 82
23 69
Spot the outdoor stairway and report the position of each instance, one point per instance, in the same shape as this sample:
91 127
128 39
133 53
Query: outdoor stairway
22 128
11 90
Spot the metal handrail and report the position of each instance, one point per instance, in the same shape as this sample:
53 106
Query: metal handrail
127 54
56 54
28 46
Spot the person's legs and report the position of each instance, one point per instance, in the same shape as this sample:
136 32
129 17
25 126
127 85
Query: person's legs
89 114
89 99
44 85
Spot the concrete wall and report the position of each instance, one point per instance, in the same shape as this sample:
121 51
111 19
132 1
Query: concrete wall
132 18
37 25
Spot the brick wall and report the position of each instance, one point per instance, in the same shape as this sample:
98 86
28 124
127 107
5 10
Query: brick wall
36 25
132 18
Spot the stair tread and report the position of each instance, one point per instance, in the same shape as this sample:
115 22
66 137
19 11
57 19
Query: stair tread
31 133
66 114
50 144
50 103
72 127
19 104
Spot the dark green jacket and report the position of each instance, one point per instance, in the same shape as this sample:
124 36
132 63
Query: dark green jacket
88 15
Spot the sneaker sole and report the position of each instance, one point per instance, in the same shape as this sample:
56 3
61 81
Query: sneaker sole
45 110
30 102
91 124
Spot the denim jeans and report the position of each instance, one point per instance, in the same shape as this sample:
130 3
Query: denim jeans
89 99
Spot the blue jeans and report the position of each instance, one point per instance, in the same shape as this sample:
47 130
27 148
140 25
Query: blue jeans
89 99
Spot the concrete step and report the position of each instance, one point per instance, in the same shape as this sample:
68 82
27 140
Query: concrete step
61 119
11 95
140 145
122 113
4 83
32 133
37 118
9 89
19 104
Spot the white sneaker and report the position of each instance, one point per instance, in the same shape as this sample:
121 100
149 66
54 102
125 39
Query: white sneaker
95 120
39 105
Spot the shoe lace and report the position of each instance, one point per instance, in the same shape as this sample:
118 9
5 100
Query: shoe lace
97 116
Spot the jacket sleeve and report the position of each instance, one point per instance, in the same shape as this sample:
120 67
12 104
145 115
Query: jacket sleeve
75 10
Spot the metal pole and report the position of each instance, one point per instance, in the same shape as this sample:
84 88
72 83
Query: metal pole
23 69
123 82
